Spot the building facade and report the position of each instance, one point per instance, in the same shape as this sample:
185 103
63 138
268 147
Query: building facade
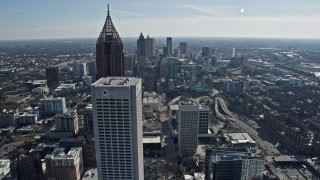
141 53
52 75
67 122
188 129
117 115
62 166
203 119
233 165
150 47
4 167
169 46
183 48
88 120
51 106
109 51
27 167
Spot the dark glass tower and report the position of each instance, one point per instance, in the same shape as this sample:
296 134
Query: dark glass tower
169 46
109 51
141 53
52 75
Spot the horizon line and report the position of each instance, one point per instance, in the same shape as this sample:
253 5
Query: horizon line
217 37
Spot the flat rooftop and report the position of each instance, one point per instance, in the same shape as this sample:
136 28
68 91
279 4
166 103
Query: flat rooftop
238 138
187 102
116 81
91 174
151 140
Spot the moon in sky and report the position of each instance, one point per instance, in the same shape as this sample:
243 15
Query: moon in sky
242 10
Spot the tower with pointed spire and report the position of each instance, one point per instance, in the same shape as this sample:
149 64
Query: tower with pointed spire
109 51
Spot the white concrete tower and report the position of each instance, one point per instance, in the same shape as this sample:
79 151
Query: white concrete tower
117 117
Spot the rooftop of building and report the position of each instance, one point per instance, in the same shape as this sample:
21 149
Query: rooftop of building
51 98
59 153
4 163
66 86
91 174
69 113
150 94
226 155
203 107
236 138
116 81
151 139
150 99
88 107
187 103
34 82
174 107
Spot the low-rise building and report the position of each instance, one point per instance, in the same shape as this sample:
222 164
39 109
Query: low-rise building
4 167
65 89
8 118
239 140
50 106
151 99
27 119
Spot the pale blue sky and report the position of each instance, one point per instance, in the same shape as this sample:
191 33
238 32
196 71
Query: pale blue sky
38 19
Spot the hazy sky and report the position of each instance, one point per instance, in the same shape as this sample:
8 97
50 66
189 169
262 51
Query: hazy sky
37 19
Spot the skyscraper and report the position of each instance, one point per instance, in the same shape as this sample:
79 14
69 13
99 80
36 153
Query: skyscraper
52 75
109 51
206 51
188 129
169 46
141 52
183 48
117 114
150 46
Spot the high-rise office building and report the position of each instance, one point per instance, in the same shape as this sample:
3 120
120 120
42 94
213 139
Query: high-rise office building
169 68
88 120
141 53
52 75
60 165
165 50
203 119
183 48
215 52
67 122
188 129
206 51
193 121
91 68
233 163
109 51
129 65
27 167
231 53
80 69
117 114
150 46
169 46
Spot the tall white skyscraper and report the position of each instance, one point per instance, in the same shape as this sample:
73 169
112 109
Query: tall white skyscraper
117 116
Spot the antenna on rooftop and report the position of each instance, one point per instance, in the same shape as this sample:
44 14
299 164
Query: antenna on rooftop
108 10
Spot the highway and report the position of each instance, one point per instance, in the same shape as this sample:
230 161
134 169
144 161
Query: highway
265 142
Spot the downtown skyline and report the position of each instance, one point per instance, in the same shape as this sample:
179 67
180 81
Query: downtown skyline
37 19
